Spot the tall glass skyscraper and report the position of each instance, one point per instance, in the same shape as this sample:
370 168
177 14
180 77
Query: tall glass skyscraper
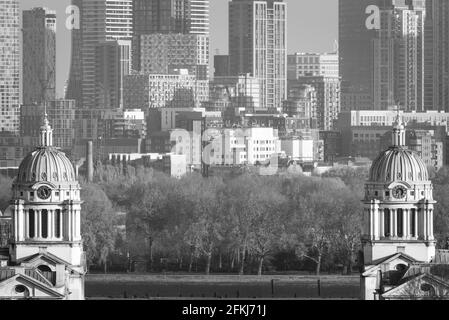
39 56
9 66
101 21
436 89
258 46
356 43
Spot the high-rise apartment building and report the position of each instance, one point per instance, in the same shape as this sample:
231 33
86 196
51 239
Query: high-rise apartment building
101 20
168 17
258 46
436 83
399 56
160 53
199 16
9 66
177 89
39 56
119 20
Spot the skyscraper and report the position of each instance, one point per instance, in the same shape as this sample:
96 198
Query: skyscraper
9 66
399 56
258 46
199 16
436 83
101 20
161 53
356 52
39 56
169 17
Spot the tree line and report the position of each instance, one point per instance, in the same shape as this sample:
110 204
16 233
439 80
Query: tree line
241 224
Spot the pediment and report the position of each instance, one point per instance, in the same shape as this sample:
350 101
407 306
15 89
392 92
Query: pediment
424 286
46 258
396 259
21 286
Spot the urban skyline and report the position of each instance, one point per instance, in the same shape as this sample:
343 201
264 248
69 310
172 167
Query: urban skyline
167 157
311 34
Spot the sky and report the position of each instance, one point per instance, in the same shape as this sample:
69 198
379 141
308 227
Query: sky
312 27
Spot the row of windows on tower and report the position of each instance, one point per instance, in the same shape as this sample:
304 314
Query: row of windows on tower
388 227
44 224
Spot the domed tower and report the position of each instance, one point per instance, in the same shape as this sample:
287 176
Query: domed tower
398 207
46 204
398 214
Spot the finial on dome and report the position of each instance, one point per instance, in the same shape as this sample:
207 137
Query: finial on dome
46 139
398 134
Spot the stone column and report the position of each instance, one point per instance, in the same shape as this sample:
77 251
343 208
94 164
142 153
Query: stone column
61 226
416 224
404 223
431 225
425 224
51 231
69 224
49 226
27 224
394 232
37 221
381 222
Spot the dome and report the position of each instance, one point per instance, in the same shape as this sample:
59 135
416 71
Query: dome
46 164
398 164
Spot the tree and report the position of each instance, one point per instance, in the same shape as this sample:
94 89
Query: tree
5 192
204 232
97 225
267 223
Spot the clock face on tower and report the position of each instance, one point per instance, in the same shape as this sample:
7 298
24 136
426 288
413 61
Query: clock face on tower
44 193
399 192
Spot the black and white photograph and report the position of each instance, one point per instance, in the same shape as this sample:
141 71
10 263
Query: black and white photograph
218 158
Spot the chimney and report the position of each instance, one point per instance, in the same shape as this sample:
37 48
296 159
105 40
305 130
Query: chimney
90 161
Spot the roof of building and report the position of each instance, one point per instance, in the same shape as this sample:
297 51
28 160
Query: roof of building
398 163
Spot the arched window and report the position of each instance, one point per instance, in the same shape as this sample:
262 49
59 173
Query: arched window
31 223
400 220
44 268
413 223
387 223
44 218
58 223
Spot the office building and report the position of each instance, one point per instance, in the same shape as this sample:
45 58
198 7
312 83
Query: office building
108 75
327 97
436 83
258 46
39 56
10 66
356 42
399 56
101 20
243 90
222 67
